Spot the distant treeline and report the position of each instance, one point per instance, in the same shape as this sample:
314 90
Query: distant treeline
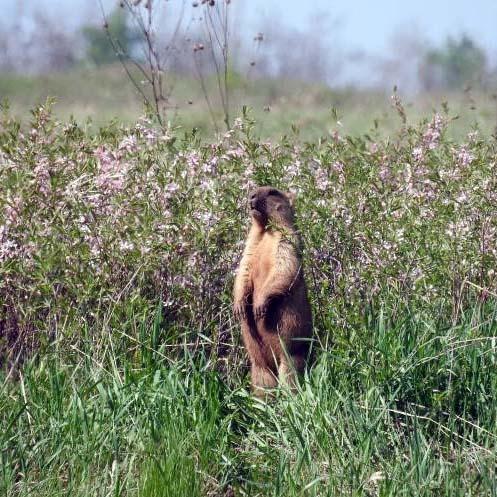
277 51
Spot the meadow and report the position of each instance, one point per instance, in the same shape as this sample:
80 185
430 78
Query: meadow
99 95
122 370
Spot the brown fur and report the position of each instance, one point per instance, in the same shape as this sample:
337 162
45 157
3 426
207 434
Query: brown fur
270 295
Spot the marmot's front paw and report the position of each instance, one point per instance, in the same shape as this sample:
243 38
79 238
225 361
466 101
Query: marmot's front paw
261 310
239 311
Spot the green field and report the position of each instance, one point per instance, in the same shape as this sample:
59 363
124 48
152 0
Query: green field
122 370
106 93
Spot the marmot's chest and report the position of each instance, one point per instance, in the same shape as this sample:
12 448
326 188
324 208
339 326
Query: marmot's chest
263 260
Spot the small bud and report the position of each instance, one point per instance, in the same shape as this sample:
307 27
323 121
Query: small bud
252 63
195 4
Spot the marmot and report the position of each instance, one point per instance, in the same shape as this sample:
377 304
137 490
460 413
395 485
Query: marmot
270 294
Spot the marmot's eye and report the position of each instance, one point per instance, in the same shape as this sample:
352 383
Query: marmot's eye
274 192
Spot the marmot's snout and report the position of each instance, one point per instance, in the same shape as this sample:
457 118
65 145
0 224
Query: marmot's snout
257 202
253 200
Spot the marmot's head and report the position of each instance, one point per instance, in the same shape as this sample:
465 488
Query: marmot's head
269 205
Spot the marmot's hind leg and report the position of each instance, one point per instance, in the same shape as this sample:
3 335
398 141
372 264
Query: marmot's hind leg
289 369
262 378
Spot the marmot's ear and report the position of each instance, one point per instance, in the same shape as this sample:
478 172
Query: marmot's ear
291 198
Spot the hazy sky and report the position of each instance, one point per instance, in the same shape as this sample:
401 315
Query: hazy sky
362 24
367 27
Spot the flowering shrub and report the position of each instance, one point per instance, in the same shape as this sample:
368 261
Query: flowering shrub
97 230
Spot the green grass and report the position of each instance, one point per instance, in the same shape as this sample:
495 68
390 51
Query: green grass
402 408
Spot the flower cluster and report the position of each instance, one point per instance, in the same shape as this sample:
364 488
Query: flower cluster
112 171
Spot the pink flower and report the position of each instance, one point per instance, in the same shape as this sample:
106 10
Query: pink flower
147 131
464 157
418 154
128 144
384 173
111 172
236 152
43 176
8 250
126 246
292 169
431 136
206 184
193 161
322 180
106 159
206 218
210 166
12 211
172 187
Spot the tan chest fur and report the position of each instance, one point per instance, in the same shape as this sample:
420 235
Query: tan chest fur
263 260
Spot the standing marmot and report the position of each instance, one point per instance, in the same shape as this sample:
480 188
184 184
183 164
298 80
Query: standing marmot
270 295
